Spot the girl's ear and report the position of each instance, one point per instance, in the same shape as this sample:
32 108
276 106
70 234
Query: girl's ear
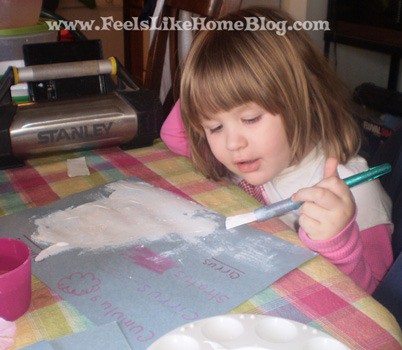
330 168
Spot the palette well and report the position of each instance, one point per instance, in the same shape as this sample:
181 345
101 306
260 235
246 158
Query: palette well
246 332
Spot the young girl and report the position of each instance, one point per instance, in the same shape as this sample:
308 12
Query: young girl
267 111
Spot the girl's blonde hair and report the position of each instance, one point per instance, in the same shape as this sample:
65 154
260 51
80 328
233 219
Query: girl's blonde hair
284 74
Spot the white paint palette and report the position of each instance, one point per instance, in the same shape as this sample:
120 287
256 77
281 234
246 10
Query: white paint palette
246 332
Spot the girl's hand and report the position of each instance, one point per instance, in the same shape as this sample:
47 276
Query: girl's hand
329 206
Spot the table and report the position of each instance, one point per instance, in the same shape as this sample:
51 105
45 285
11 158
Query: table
316 293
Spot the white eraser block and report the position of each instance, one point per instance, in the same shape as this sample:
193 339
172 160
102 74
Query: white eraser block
77 167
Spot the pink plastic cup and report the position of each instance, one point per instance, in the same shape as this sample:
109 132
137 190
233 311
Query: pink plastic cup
15 278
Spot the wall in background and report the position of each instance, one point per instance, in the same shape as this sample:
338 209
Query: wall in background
297 8
246 3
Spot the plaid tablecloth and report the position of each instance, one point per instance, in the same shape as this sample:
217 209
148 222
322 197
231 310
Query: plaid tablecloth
316 294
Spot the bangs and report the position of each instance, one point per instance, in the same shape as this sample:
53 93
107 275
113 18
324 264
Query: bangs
225 77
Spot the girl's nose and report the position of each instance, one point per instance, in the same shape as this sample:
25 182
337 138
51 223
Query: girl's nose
235 140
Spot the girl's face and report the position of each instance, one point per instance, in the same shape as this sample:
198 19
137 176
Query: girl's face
250 142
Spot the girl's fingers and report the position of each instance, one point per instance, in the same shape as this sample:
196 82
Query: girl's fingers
330 169
321 196
311 227
328 206
313 211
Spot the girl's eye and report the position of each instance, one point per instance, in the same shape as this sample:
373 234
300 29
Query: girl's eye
215 129
252 120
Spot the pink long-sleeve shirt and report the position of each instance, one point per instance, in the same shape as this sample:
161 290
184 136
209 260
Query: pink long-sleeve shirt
364 255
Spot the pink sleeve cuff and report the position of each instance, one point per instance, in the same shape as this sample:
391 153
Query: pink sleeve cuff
348 237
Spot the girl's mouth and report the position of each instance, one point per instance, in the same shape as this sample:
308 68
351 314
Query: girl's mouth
248 166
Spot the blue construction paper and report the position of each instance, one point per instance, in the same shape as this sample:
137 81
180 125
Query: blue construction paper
153 287
105 337
42 345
